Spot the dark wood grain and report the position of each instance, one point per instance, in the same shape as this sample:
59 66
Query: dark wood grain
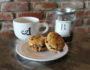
78 57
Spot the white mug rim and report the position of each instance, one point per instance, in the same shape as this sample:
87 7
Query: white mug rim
16 19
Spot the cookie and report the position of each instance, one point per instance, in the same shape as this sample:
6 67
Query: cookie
54 42
37 43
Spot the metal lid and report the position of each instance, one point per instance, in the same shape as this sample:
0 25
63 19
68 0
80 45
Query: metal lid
61 11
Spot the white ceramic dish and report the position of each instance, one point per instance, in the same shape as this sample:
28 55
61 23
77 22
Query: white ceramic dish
23 50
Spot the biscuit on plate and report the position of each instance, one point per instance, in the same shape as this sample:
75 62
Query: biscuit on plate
37 43
54 42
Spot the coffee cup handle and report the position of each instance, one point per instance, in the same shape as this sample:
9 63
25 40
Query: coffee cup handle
45 30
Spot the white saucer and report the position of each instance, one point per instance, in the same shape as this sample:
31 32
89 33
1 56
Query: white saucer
23 50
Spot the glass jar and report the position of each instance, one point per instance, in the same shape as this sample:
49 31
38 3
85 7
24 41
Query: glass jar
64 20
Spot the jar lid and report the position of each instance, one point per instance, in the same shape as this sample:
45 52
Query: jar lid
61 11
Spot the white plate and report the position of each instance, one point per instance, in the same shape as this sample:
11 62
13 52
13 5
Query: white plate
23 50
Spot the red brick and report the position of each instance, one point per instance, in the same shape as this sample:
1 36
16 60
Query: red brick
78 22
6 16
44 5
2 33
7 33
89 29
83 14
72 4
14 6
87 21
49 15
33 14
24 0
87 4
80 29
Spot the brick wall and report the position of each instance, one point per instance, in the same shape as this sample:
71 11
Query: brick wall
10 9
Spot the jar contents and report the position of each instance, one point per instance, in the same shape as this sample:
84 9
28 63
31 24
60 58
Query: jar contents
64 22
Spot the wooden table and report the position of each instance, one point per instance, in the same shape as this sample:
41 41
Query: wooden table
78 57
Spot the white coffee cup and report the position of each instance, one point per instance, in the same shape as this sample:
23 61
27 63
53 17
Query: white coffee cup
24 27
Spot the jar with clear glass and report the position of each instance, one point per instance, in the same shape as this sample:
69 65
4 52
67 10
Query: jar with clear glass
64 20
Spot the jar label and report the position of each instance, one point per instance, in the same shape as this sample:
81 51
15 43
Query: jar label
63 28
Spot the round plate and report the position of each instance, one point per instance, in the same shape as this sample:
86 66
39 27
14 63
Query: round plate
24 51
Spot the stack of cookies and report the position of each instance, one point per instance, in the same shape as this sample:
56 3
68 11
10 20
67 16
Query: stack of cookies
53 42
